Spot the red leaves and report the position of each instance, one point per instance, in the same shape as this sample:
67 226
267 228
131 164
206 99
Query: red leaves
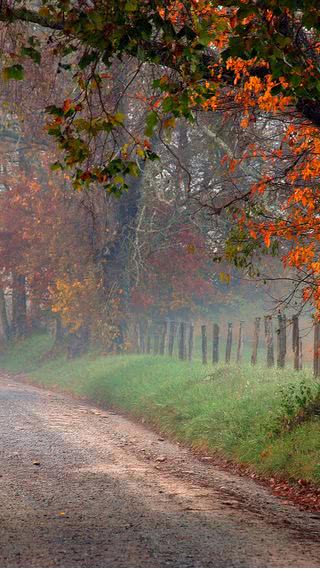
267 239
303 494
233 21
67 105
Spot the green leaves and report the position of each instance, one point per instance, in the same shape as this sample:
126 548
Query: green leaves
15 72
151 123
113 176
32 53
131 5
54 110
87 58
56 166
204 38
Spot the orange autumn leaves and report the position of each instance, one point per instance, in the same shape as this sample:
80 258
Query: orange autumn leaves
239 58
255 92
296 221
69 300
294 215
43 238
74 300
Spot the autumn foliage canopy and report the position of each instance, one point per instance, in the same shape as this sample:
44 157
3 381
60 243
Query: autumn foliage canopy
257 60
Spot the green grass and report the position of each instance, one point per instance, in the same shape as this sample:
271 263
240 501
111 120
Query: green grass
227 409
26 355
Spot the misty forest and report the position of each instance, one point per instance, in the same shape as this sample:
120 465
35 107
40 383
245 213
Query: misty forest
159 283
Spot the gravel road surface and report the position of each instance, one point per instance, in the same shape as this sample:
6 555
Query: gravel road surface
85 487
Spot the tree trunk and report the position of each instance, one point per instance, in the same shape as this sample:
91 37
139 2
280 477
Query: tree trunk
135 340
4 318
59 335
182 341
79 342
117 255
172 332
190 342
148 346
163 338
35 316
19 306
142 337
156 339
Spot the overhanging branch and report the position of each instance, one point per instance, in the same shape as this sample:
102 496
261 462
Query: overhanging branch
310 109
11 15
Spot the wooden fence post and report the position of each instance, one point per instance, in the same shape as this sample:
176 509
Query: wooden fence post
163 336
229 343
182 341
316 349
204 343
296 342
240 343
268 329
190 341
281 341
255 344
215 344
172 333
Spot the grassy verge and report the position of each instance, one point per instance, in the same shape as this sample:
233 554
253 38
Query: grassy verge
242 413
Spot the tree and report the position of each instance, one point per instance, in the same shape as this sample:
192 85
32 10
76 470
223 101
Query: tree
49 245
260 60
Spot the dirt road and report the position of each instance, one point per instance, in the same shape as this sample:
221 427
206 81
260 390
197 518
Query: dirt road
83 487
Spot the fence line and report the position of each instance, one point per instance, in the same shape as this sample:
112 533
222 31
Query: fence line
159 337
